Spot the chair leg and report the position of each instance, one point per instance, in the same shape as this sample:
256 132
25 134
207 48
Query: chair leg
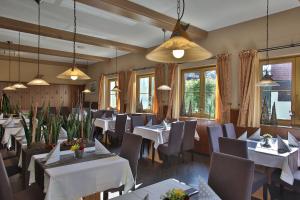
265 191
106 136
192 153
153 153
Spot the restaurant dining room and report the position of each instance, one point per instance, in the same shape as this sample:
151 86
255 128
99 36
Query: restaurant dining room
149 100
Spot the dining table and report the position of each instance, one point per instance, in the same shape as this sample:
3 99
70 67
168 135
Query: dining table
109 123
159 134
269 157
157 190
71 178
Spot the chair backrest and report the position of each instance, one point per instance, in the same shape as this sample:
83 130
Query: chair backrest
189 135
52 110
231 177
98 114
5 187
137 120
214 132
175 137
120 123
233 147
65 111
229 131
109 113
151 117
130 150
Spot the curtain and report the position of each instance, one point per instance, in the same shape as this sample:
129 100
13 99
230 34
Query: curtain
101 101
172 76
131 92
122 93
249 92
157 98
223 88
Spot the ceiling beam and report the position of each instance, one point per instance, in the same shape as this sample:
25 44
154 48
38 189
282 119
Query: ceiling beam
52 52
140 13
35 61
26 27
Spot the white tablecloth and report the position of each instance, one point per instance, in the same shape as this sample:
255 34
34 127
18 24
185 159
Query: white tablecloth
109 124
73 181
156 190
155 133
269 157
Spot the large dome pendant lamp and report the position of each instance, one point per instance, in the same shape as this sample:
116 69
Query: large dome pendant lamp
74 73
179 48
116 88
10 87
38 78
267 80
19 85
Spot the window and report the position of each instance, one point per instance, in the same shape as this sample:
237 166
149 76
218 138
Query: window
113 95
198 91
283 71
145 92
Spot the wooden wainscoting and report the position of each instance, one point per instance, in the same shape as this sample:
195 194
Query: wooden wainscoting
56 95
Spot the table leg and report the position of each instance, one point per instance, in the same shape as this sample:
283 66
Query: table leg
153 152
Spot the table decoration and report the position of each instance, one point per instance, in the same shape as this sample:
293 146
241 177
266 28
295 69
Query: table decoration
78 149
266 140
175 194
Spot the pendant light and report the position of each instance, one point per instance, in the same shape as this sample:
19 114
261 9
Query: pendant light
10 87
164 87
267 80
19 85
116 88
74 73
38 79
179 48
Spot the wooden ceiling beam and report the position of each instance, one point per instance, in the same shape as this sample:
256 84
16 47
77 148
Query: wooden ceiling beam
140 13
52 52
35 61
26 27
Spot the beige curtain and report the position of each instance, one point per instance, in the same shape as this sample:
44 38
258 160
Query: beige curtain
157 98
123 90
101 96
176 100
223 88
249 92
172 76
131 92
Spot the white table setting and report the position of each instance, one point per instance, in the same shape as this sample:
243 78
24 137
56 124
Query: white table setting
109 123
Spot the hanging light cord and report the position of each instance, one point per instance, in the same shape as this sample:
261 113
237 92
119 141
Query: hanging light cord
267 42
39 37
116 60
19 57
9 59
179 11
74 36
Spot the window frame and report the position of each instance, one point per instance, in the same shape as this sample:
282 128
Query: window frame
138 77
109 92
202 70
279 60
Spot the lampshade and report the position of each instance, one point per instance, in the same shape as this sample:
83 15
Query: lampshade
38 81
73 74
267 81
9 88
86 91
178 49
164 88
19 86
116 89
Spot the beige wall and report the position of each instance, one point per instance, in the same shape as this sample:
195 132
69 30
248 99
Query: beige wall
284 29
29 70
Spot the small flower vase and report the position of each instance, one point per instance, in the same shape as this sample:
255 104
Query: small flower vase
78 154
266 143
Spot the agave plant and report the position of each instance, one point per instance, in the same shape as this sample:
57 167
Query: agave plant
29 129
87 124
54 127
71 125
5 104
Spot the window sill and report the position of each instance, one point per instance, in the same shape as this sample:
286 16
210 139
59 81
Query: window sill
197 118
282 126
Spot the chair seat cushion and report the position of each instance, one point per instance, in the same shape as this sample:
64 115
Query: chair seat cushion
259 180
34 192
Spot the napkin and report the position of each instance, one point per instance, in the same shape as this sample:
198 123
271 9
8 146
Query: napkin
256 136
293 142
53 155
165 124
243 136
8 122
282 146
62 133
149 123
1 116
99 148
114 117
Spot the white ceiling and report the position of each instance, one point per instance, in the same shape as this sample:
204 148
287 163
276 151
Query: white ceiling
205 14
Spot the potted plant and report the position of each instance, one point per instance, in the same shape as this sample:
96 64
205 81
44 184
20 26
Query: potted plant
175 194
78 149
